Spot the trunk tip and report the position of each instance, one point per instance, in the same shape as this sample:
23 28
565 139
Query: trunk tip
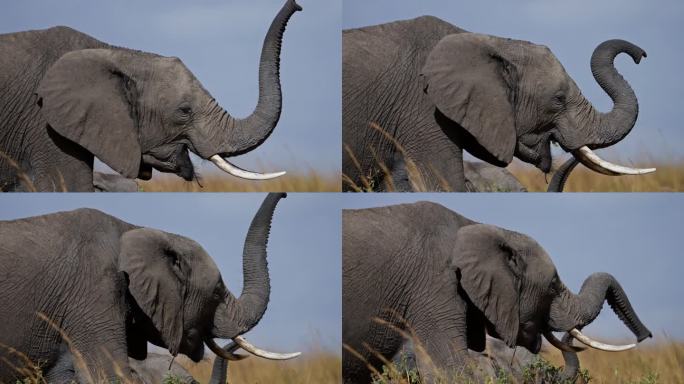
279 195
296 6
643 335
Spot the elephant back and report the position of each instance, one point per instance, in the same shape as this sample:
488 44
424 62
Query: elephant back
367 51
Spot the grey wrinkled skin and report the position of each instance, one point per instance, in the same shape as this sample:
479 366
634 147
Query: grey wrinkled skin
496 358
425 90
484 177
152 370
90 284
156 367
107 182
449 282
67 98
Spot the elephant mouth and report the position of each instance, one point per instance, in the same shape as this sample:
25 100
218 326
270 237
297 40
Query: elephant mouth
536 150
529 337
171 159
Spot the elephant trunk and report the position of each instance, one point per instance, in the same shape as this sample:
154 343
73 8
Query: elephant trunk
616 124
248 133
236 316
570 311
596 129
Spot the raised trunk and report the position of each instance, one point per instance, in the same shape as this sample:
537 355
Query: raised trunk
604 129
236 316
248 133
570 311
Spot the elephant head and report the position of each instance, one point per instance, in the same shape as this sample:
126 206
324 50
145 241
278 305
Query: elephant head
180 301
136 111
514 290
512 97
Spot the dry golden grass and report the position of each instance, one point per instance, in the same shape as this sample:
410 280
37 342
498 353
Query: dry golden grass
660 362
667 178
292 182
311 368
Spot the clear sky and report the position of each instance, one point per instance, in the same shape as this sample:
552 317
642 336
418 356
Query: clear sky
572 29
220 42
634 236
303 250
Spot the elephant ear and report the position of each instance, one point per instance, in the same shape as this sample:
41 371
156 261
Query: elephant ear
87 98
156 281
473 85
489 273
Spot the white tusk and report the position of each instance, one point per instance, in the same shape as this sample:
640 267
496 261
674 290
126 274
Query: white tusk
244 344
592 161
226 353
595 344
234 170
561 345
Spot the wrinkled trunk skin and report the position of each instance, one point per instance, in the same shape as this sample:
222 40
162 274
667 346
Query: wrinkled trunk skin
576 311
560 177
237 316
597 129
248 133
572 364
219 371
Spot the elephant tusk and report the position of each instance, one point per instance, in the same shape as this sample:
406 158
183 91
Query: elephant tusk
244 344
595 344
226 352
592 161
561 345
234 170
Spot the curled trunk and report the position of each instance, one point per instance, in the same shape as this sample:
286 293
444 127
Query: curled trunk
248 133
236 316
599 129
570 311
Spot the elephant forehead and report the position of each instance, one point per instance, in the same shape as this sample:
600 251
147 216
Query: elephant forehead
198 259
529 248
169 74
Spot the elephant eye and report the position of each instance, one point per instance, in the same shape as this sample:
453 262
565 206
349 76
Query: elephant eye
185 110
219 292
559 98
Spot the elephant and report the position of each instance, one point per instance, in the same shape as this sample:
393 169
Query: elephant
152 370
418 92
109 182
484 177
423 272
68 98
100 288
497 358
158 366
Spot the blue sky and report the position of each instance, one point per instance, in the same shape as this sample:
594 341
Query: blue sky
634 236
220 42
572 29
303 250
